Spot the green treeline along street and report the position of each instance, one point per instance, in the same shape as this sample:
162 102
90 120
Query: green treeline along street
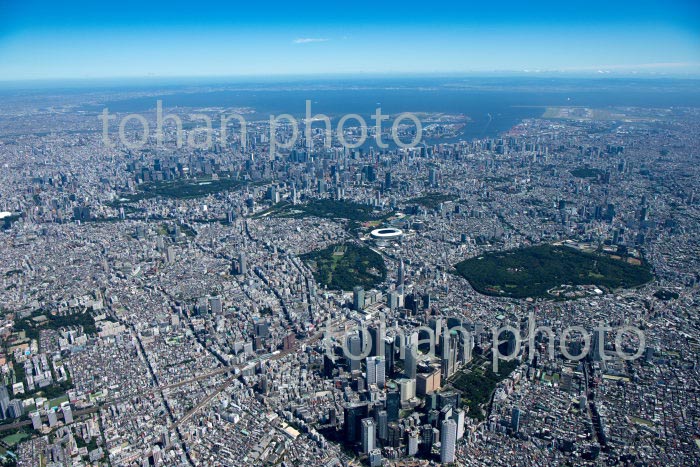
346 266
533 271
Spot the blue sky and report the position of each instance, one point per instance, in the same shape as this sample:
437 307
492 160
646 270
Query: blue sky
127 38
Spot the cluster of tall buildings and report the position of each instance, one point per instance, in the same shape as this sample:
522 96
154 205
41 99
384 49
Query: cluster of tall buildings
396 404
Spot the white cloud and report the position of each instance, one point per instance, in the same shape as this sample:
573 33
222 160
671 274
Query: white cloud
308 40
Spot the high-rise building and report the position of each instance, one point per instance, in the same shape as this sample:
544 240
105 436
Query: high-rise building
459 417
408 389
515 419
395 435
436 326
383 424
393 404
394 300
4 402
426 438
448 441
445 413
389 355
427 383
53 418
36 420
355 349
377 332
358 298
170 254
242 264
262 329
413 443
466 346
67 414
410 361
449 354
368 435
376 371
449 399
328 365
432 177
353 415
598 345
165 439
15 409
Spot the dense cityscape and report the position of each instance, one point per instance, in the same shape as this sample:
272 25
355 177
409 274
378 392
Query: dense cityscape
225 304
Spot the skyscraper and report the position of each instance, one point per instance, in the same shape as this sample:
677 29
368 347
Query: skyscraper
170 254
353 414
466 346
16 409
393 300
449 399
376 371
67 414
459 418
358 298
449 354
426 438
53 418
368 435
413 443
377 332
448 441
355 348
393 403
515 419
428 383
242 265
4 402
408 388
36 420
432 177
410 361
388 343
436 326
395 435
262 329
383 423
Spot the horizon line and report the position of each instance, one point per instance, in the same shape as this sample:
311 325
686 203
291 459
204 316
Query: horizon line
588 73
